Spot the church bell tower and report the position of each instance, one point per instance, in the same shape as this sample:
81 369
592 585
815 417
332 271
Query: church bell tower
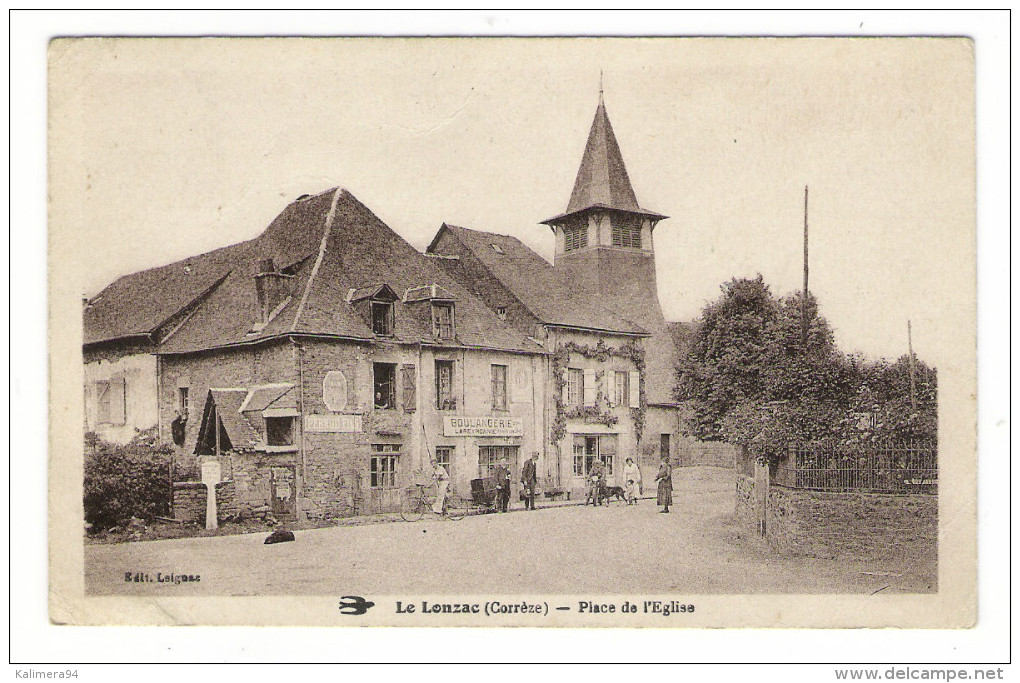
604 239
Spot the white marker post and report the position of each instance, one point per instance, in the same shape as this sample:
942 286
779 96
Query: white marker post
210 477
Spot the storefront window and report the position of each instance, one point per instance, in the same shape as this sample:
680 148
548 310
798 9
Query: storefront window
490 456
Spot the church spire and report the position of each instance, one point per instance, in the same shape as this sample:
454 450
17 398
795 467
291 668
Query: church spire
602 181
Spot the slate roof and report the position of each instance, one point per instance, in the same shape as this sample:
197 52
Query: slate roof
602 180
536 283
228 404
540 287
331 244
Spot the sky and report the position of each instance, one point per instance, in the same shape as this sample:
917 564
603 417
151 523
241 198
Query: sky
170 148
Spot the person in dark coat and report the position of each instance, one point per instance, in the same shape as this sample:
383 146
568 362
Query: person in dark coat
529 480
501 473
665 479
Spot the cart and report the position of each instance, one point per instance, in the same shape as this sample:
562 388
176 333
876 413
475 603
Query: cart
483 494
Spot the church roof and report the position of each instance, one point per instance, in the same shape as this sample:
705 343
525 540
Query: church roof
536 283
602 180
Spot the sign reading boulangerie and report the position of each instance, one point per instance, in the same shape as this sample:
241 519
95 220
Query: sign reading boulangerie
483 426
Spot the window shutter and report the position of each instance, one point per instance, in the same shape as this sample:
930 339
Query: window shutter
118 406
102 402
589 387
635 389
410 387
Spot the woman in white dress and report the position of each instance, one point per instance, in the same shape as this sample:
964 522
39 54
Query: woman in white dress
631 481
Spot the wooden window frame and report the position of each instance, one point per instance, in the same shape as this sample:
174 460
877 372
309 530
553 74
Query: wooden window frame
382 470
498 375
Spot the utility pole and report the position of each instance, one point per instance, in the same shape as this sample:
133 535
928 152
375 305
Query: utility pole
913 384
804 294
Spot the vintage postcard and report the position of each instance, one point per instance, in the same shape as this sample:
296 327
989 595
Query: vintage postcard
513 332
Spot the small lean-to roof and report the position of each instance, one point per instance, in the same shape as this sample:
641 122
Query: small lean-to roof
228 406
536 283
262 396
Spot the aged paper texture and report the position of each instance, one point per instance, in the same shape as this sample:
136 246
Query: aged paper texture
509 332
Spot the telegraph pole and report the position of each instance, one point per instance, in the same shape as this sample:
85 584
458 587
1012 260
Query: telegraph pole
913 384
804 294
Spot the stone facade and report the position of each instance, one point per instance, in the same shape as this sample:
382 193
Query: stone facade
190 499
332 467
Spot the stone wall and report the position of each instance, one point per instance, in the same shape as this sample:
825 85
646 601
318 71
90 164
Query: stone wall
190 501
707 453
744 510
858 525
830 525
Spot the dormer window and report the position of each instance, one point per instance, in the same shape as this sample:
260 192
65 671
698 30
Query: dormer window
382 318
442 320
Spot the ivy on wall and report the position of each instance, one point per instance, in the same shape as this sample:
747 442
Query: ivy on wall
600 412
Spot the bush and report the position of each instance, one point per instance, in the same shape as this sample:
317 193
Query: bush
123 481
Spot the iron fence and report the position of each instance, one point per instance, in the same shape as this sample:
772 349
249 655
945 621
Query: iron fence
892 467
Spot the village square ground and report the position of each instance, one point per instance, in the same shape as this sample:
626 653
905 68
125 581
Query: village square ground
697 549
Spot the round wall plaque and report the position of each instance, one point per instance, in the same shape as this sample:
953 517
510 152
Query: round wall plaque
334 390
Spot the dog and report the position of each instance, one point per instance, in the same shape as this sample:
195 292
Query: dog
610 492
279 536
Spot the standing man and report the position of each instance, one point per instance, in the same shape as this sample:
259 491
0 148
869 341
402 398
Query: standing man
529 479
502 476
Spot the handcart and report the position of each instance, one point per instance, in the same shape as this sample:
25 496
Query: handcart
483 494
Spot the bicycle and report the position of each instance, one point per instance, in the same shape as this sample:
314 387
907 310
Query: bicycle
417 504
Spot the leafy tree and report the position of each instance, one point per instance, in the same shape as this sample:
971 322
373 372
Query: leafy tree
127 480
724 367
748 377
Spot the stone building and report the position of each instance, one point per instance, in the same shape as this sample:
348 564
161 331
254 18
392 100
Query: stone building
325 362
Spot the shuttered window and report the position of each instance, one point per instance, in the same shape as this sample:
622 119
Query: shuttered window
499 387
410 387
621 393
635 390
590 388
575 236
575 386
626 233
111 401
444 385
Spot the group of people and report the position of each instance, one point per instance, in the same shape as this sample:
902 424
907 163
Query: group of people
529 481
632 487
501 473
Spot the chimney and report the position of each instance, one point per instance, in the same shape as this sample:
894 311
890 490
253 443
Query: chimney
272 288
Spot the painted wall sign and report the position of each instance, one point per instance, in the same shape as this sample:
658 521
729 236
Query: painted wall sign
333 424
483 426
334 390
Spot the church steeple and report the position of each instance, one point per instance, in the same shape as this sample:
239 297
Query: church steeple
602 179
603 210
